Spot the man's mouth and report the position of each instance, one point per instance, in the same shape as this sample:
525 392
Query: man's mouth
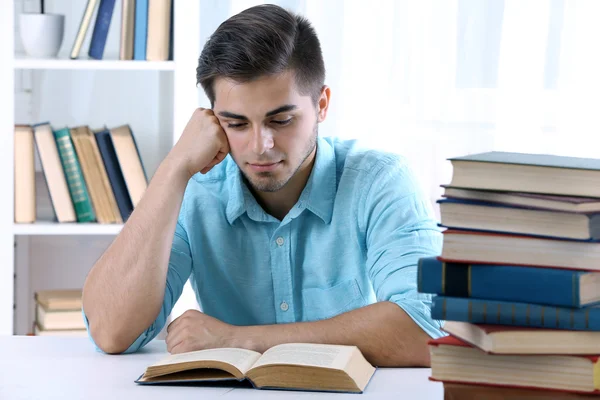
264 167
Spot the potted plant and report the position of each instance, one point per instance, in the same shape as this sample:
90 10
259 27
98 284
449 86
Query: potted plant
41 33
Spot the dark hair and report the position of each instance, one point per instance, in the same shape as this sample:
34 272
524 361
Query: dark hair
262 41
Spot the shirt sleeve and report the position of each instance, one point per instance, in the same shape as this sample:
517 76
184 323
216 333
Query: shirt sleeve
180 266
400 228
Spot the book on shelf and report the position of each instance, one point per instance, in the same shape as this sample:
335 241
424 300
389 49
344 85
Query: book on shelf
114 173
58 312
84 25
140 30
483 311
522 199
499 339
491 217
455 361
37 331
75 181
60 299
531 173
130 162
546 286
53 173
101 27
24 174
159 30
294 366
127 29
494 248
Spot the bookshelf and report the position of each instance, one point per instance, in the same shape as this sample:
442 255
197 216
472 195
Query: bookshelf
155 98
63 62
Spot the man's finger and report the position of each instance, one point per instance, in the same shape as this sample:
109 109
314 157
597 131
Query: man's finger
173 339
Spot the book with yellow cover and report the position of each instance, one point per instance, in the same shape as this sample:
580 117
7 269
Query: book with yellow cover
292 366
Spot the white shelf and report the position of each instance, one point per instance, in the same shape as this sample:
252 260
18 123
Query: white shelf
54 228
22 61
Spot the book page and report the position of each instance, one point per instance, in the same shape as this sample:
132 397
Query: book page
313 355
240 358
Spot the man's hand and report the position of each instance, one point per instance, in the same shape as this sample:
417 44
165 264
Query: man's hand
194 330
202 145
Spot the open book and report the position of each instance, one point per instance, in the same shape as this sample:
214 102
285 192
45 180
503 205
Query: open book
293 366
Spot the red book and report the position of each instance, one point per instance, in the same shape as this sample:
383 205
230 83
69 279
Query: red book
453 360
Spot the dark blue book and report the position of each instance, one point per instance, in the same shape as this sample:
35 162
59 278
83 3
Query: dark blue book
544 286
140 30
529 173
100 33
494 217
479 311
115 175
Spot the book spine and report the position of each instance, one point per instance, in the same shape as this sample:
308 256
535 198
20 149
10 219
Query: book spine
545 286
478 311
114 173
75 182
141 30
83 28
100 33
24 175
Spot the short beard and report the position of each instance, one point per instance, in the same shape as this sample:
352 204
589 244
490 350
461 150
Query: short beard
274 186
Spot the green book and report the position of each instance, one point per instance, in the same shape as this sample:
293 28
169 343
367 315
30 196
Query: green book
77 188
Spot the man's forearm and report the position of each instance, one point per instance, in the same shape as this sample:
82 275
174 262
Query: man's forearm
124 291
385 334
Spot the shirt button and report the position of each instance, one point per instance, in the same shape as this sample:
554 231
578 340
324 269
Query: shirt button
279 241
284 306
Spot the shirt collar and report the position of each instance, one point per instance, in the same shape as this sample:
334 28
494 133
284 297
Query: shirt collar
318 195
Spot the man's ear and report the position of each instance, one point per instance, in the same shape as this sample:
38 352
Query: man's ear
323 103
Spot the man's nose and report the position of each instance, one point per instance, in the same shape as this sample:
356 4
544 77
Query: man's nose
262 140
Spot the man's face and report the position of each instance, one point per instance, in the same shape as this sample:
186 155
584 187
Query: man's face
271 128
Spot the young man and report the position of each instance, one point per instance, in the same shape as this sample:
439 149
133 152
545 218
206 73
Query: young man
287 237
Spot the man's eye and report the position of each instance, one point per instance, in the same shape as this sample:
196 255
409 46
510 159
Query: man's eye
287 121
235 125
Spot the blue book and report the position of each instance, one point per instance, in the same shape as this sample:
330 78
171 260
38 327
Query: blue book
479 311
100 33
544 286
530 173
140 30
494 217
115 175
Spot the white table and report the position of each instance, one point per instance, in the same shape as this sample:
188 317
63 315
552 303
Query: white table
70 368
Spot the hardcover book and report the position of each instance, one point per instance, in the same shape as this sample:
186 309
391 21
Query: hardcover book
292 366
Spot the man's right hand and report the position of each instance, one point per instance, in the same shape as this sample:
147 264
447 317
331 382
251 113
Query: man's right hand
203 143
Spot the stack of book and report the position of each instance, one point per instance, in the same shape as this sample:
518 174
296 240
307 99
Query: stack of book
58 313
518 279
90 176
146 29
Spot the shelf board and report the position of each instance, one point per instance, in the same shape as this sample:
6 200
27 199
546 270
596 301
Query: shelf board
55 228
22 61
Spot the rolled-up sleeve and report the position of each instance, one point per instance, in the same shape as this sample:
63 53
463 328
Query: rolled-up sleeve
400 229
180 265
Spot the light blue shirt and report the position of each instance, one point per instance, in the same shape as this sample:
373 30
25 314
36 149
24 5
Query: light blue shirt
353 238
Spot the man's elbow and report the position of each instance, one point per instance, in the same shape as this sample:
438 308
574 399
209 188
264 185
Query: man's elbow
108 342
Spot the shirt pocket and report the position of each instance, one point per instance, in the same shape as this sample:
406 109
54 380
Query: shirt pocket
323 303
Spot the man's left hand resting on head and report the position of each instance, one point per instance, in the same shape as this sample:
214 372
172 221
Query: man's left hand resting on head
285 236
